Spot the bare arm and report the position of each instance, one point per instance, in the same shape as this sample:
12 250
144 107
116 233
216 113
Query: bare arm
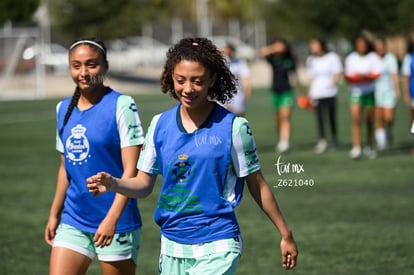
267 50
56 208
337 78
395 80
106 230
247 86
138 187
406 88
263 196
295 80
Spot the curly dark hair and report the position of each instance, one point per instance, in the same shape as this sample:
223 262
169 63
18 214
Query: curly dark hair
200 50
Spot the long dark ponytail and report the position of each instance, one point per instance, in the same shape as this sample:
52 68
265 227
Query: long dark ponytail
73 103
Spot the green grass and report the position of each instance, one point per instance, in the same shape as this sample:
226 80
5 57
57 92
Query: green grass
357 218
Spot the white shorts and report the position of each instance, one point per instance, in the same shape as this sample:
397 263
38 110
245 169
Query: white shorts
124 246
385 99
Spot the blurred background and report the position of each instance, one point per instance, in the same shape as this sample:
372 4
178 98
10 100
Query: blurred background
356 219
35 34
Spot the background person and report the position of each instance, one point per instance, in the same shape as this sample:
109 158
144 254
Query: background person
362 68
98 129
408 83
204 153
325 69
241 71
387 92
283 63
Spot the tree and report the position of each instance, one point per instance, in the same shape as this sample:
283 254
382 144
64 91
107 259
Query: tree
17 11
340 18
292 19
120 18
96 18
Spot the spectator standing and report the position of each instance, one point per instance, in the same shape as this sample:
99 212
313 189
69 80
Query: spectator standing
279 56
325 69
408 83
387 92
241 71
362 68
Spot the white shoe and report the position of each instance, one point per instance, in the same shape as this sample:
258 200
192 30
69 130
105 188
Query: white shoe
381 138
369 152
282 146
321 146
355 152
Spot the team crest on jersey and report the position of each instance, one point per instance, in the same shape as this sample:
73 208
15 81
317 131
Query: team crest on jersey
181 169
77 146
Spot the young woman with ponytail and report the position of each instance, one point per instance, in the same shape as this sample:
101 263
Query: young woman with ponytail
97 128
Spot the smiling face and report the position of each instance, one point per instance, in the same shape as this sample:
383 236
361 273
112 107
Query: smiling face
191 83
87 67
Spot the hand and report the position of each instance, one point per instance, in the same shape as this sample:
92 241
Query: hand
50 230
105 233
100 183
289 252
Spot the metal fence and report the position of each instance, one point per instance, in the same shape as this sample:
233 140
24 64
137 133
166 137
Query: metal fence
21 75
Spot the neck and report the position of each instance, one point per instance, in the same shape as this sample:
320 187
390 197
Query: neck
89 98
192 119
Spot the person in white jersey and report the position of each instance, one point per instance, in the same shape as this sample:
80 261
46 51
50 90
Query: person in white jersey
325 69
387 92
362 68
205 154
241 71
408 84
97 128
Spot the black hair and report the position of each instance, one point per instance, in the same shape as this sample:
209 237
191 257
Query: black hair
410 46
288 54
77 93
200 50
231 46
322 43
368 43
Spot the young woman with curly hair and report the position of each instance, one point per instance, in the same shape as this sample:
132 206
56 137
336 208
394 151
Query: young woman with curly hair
205 154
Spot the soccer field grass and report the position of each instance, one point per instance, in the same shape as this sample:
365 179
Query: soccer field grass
348 217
